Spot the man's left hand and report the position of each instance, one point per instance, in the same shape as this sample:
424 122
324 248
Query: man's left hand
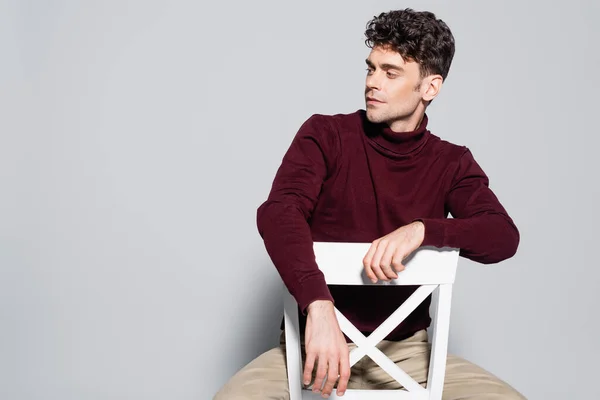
387 253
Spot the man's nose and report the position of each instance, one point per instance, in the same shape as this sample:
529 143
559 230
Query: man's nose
373 82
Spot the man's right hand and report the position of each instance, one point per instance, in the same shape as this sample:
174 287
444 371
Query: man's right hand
325 343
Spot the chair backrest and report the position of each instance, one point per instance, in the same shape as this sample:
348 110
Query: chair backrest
429 268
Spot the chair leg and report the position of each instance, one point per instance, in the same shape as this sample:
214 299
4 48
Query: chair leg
439 346
293 349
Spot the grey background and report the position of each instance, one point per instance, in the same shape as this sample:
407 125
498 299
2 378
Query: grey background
138 138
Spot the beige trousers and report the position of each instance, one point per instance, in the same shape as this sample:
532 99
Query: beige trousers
266 377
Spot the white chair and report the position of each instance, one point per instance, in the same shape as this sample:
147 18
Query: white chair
341 263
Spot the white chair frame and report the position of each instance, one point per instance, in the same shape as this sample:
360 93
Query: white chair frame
341 264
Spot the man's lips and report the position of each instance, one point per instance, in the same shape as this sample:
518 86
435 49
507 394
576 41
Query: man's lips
373 100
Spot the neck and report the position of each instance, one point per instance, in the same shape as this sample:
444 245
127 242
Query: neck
409 124
396 144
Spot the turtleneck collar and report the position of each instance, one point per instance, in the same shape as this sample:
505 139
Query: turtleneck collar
384 139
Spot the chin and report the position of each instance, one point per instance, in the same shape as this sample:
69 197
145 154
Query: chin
375 117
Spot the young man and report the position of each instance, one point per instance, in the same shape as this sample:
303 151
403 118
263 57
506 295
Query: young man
377 175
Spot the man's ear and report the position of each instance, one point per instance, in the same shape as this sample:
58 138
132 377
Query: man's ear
431 86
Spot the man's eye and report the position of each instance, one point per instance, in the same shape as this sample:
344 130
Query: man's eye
390 75
369 70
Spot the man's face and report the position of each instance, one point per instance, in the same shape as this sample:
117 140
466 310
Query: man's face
395 83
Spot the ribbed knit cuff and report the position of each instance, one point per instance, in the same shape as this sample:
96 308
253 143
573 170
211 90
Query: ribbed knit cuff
312 289
434 232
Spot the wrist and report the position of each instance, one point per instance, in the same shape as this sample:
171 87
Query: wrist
320 305
420 230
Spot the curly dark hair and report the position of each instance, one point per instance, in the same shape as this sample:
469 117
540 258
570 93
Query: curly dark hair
417 35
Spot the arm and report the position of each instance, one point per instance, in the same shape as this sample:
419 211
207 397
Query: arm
283 224
481 228
283 219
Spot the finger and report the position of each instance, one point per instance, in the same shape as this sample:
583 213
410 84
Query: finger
332 376
378 272
397 261
344 374
367 262
386 261
376 261
321 373
308 367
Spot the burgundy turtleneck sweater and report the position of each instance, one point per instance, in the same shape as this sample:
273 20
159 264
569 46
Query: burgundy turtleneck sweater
345 179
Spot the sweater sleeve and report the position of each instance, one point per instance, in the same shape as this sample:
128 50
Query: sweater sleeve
481 228
282 219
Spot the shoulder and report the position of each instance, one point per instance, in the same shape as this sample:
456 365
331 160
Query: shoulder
335 122
452 152
453 157
330 129
321 133
459 160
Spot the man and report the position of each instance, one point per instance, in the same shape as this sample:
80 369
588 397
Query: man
377 175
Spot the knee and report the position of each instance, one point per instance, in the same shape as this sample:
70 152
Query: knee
506 393
514 395
219 395
240 389
263 378
232 391
228 394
